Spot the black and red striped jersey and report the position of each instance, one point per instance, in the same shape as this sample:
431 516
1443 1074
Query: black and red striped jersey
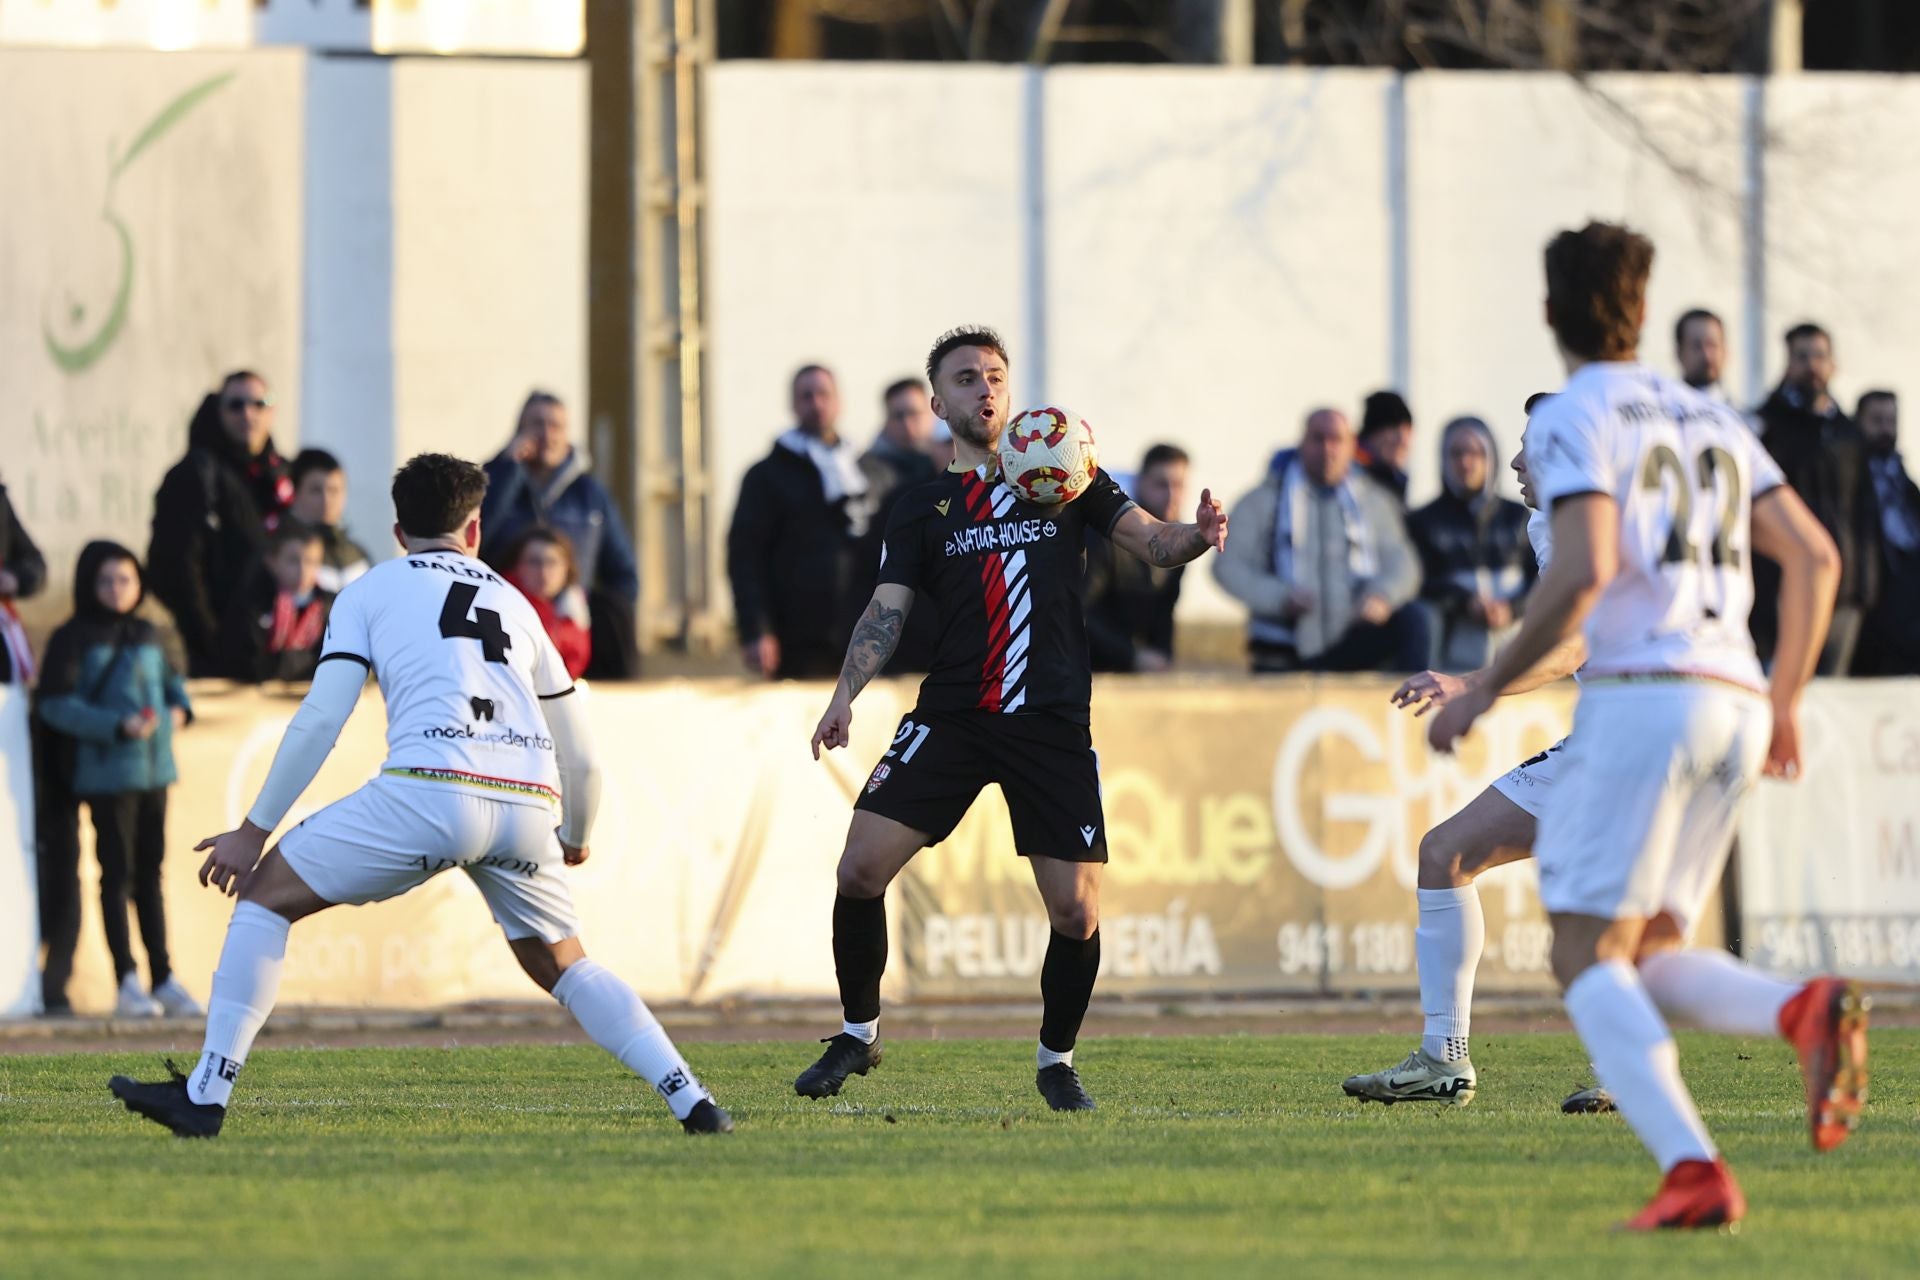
1007 577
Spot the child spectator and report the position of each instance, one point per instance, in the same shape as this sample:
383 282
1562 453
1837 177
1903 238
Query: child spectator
320 503
107 685
540 563
277 620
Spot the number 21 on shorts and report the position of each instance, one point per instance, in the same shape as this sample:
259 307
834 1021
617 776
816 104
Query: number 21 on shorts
908 730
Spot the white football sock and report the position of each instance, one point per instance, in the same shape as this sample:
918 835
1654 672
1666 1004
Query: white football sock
1715 992
1637 1061
619 1021
1047 1057
865 1032
1447 945
244 988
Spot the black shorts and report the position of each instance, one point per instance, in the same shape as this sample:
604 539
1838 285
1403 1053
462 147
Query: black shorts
1045 766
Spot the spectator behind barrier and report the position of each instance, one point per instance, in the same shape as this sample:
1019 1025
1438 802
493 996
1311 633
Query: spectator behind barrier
797 529
1476 563
1321 559
541 478
210 515
540 562
23 571
1700 347
275 623
108 689
1129 603
1890 637
1386 442
320 503
899 460
1824 457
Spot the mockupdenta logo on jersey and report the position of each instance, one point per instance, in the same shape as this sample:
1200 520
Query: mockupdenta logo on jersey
1000 537
491 738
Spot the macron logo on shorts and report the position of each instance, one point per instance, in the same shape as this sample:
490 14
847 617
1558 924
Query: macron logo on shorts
1088 833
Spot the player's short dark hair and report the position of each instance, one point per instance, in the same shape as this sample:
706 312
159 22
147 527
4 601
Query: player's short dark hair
308 461
436 493
1597 289
1808 329
1162 455
968 335
290 533
1384 409
904 384
1535 399
239 374
1688 317
1875 397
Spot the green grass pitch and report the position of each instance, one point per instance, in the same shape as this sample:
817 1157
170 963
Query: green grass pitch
1232 1155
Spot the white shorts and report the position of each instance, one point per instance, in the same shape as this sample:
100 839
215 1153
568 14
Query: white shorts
395 834
1644 812
1527 783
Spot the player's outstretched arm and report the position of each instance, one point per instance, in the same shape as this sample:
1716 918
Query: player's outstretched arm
303 749
1165 545
874 640
1586 555
1787 533
575 757
1431 690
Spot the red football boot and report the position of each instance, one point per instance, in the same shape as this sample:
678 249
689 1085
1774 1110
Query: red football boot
1827 1025
1695 1193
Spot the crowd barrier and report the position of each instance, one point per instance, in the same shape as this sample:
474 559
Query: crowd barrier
1263 838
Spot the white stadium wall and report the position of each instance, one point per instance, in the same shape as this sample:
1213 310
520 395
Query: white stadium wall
1842 184
446 258
150 221
1205 254
849 223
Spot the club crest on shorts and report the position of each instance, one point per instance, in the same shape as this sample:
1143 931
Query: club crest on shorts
880 772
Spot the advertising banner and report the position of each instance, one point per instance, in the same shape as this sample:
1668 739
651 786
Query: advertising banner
1263 838
1830 865
19 929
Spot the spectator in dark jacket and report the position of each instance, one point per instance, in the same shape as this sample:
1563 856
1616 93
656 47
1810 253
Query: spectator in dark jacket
1824 457
1890 637
797 528
23 571
109 688
320 503
276 622
1130 603
1386 443
540 478
900 459
1476 562
540 563
211 513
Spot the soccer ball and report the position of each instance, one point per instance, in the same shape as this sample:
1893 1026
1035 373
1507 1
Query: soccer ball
1047 455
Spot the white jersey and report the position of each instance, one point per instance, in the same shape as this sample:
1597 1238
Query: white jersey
1540 534
463 662
1685 471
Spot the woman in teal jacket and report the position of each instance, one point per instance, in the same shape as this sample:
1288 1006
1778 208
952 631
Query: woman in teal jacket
108 687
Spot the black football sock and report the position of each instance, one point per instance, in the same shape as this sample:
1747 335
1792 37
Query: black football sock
860 954
1066 984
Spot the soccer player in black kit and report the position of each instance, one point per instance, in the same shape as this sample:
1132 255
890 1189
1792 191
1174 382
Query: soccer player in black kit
1006 702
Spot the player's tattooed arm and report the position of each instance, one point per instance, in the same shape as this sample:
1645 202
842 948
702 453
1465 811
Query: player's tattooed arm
874 641
1165 545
